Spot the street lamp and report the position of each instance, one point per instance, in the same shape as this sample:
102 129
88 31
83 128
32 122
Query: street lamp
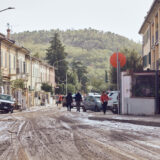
7 9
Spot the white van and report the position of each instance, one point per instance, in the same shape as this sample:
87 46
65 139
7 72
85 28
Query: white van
113 101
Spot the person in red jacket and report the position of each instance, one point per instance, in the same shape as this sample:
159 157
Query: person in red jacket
104 100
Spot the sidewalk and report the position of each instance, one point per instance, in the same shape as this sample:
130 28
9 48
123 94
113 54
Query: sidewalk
138 120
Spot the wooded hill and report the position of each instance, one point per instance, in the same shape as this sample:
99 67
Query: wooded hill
92 47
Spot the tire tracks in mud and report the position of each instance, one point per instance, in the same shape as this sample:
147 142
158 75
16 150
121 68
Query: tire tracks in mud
60 136
119 151
15 150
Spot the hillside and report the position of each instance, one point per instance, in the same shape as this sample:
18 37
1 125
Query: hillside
90 46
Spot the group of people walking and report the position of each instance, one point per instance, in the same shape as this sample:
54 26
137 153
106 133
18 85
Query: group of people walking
69 100
78 99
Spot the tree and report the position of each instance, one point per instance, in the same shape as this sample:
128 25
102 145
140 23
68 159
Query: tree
134 61
71 88
18 84
81 71
56 57
79 68
133 64
36 55
106 76
46 87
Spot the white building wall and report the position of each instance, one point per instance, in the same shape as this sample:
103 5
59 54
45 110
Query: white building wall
126 90
134 105
140 106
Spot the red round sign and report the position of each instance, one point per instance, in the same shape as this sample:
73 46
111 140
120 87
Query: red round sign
121 58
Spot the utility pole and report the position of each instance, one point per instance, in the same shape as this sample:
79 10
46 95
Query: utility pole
118 81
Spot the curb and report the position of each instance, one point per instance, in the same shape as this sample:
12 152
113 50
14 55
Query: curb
137 122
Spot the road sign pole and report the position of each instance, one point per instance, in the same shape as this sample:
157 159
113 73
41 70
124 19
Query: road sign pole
118 60
117 72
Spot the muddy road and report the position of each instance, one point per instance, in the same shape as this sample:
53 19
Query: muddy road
52 134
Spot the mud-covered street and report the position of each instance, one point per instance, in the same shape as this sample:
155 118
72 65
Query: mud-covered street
53 134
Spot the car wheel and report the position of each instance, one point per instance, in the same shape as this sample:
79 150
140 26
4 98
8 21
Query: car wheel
11 110
84 109
115 110
96 108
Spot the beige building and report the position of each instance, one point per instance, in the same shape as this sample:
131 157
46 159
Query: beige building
16 62
12 64
150 31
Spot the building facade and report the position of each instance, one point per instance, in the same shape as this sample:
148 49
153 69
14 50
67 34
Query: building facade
150 30
16 62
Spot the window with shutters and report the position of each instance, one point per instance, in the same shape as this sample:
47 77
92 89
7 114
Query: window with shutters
145 61
24 67
149 57
6 59
14 63
2 59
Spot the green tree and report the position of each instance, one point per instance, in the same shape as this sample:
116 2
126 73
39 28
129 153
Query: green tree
81 72
106 76
36 55
18 84
79 68
72 78
46 87
60 89
71 88
133 64
56 57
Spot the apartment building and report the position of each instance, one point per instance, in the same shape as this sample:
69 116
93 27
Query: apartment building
16 62
150 30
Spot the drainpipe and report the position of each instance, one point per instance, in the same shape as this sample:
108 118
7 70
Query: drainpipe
157 88
31 70
2 89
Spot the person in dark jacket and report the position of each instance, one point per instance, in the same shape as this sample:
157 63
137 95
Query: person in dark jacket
69 101
78 100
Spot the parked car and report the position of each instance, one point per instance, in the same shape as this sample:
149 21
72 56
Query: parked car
6 103
92 102
113 101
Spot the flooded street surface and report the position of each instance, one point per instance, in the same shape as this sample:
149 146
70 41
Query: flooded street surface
52 134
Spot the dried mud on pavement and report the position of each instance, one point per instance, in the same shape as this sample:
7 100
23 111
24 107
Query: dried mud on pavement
53 134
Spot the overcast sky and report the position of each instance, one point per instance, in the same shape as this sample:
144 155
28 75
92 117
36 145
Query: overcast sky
123 17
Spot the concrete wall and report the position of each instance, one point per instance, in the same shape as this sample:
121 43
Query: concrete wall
139 106
126 89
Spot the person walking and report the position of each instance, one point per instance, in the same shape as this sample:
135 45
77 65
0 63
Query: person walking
78 99
69 101
60 98
104 100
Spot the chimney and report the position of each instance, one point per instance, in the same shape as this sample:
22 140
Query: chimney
8 31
